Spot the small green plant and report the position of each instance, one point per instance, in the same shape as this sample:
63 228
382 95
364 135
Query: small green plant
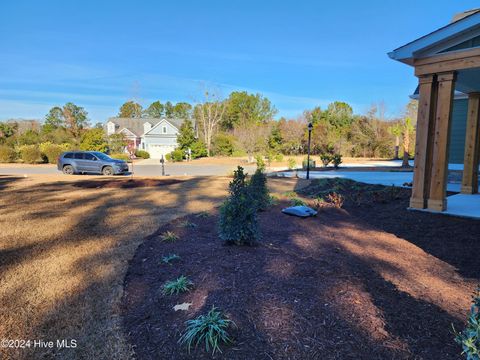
238 222
297 202
202 214
336 160
188 224
273 200
292 164
142 154
290 194
469 338
7 154
210 329
169 236
176 155
168 259
260 162
177 286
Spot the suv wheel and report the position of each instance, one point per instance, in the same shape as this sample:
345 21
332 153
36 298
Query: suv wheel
68 170
107 171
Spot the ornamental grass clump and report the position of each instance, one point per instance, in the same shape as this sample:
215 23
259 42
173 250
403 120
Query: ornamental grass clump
469 338
169 236
168 259
238 223
177 286
210 329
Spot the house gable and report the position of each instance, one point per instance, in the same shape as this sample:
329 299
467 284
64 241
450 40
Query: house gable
128 133
163 128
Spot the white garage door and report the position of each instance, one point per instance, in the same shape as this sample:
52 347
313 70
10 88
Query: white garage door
156 151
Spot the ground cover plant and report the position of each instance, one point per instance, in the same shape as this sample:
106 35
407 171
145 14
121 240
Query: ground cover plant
210 329
469 338
177 286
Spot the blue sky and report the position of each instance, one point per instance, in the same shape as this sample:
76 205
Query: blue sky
300 54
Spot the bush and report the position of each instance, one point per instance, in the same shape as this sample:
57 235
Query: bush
336 160
30 154
142 154
292 164
175 156
469 338
278 158
259 190
260 162
94 140
238 153
305 162
325 158
198 149
223 144
238 223
210 329
120 156
51 152
7 154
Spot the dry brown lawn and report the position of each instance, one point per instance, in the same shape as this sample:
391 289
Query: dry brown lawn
64 251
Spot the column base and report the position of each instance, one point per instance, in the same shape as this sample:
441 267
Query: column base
417 203
467 190
437 205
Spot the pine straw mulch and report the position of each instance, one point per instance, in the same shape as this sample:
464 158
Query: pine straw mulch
369 281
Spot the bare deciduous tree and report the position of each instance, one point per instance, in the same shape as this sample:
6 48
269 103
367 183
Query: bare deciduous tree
209 114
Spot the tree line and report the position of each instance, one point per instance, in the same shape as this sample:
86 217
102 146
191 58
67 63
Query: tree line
241 125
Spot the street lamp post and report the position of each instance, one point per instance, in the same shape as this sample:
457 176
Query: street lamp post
310 128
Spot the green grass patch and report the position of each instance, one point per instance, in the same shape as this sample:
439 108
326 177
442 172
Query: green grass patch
177 286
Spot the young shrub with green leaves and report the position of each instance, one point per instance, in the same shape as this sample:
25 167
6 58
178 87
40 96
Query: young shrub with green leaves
53 151
177 286
142 154
292 164
297 202
238 222
175 156
325 159
336 160
169 236
258 187
168 259
210 329
469 338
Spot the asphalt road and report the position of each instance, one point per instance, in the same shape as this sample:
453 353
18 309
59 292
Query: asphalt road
139 170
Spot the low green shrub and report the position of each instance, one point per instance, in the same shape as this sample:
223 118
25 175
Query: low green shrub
278 158
297 202
120 156
469 338
142 154
169 236
238 153
326 159
30 154
7 154
177 286
175 156
199 149
210 329
238 223
260 161
51 152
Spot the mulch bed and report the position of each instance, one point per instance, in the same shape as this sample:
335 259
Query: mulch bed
369 281
125 184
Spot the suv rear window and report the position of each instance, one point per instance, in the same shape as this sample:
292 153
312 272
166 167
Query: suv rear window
78 155
68 156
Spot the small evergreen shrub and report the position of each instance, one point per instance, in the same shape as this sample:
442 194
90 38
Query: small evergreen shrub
278 157
260 162
199 149
326 159
51 152
175 156
7 154
336 160
238 223
259 190
142 154
30 154
210 329
177 286
469 338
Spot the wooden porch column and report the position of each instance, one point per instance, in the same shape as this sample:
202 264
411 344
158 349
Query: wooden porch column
424 139
438 186
472 137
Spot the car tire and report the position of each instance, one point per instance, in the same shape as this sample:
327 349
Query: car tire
68 170
107 171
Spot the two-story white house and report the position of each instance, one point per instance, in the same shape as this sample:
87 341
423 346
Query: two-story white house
157 136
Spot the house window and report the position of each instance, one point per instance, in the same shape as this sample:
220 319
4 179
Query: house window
164 129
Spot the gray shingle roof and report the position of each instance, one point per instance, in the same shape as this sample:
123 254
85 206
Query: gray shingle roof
135 125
